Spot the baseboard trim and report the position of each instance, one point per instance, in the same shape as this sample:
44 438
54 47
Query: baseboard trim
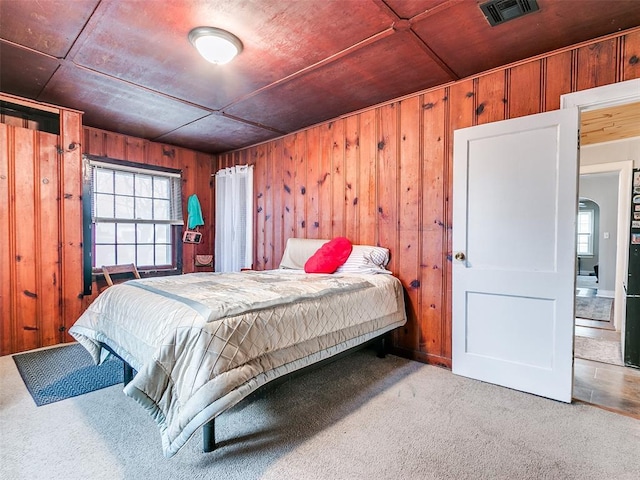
606 293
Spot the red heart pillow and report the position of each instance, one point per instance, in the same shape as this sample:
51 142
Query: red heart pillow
329 256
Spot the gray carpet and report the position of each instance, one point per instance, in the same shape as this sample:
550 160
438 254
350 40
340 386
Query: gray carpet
594 308
358 418
598 350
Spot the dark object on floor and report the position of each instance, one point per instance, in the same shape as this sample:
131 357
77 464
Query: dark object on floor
59 373
595 271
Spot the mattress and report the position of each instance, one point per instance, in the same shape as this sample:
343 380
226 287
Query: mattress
202 342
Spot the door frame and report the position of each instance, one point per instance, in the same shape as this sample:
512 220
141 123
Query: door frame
599 97
592 99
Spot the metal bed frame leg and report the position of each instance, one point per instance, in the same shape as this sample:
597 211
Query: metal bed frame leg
208 429
381 346
209 436
127 374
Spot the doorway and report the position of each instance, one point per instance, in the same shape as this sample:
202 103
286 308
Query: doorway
597 238
610 386
600 377
597 338
607 384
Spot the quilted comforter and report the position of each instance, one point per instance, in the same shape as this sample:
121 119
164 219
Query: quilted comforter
202 342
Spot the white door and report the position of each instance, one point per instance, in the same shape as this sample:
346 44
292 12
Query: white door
514 214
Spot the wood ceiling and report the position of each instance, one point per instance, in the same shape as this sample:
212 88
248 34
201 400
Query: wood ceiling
611 123
129 65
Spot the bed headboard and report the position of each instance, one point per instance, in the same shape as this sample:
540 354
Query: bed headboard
363 258
298 251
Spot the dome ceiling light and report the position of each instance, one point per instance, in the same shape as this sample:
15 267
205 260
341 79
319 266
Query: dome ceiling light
215 45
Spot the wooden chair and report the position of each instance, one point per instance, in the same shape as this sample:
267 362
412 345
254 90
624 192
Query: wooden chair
109 270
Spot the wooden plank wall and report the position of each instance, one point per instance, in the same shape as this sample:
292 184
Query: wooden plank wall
384 176
41 213
41 238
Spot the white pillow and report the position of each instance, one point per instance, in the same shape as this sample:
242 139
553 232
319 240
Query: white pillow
366 259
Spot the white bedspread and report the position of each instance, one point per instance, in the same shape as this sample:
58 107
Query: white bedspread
201 342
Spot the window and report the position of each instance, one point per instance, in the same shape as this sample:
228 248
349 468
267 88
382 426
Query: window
135 215
585 232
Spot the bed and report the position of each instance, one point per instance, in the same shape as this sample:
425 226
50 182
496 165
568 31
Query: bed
202 342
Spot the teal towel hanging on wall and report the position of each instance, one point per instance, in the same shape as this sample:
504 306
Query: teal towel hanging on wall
195 212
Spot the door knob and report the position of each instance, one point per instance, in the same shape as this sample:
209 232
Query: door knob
459 256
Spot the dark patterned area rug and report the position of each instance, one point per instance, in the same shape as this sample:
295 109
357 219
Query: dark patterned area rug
594 308
58 373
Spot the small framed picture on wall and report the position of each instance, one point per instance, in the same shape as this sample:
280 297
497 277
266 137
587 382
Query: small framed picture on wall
191 237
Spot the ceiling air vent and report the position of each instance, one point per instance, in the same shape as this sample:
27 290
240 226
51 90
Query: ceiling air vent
500 11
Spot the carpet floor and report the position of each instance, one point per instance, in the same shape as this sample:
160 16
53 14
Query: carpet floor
58 373
358 418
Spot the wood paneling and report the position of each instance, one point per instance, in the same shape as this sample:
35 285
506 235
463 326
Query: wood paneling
630 64
527 79
71 218
312 188
337 184
301 183
269 194
288 187
260 185
387 187
434 229
41 240
597 64
409 221
7 240
557 78
26 291
41 281
47 256
491 98
368 179
395 185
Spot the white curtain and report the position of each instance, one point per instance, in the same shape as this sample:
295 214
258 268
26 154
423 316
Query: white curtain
234 219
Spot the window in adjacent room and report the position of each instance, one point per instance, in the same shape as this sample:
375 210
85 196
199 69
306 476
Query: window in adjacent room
585 232
136 214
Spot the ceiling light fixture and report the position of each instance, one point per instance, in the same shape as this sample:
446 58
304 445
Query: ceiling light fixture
215 45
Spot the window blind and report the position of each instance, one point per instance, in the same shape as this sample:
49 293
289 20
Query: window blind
139 195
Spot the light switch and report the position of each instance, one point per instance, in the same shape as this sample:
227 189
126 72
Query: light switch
606 235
